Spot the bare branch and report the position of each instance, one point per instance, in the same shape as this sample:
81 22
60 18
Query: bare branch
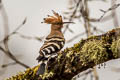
15 31
110 9
40 39
95 73
7 35
10 55
85 15
76 36
82 56
5 19
72 16
114 15
9 64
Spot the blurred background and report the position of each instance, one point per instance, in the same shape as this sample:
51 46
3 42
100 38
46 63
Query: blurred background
21 20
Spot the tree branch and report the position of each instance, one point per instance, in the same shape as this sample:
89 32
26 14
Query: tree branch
84 55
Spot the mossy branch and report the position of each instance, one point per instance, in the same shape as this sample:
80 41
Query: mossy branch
82 56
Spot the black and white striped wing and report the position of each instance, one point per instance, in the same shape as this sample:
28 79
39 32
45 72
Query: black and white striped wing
52 45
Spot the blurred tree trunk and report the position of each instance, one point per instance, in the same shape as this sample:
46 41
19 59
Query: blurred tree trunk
84 55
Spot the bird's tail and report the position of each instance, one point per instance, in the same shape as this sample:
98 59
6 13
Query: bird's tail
41 69
43 63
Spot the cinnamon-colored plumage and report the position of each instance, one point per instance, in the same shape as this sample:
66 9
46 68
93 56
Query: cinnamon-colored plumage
54 41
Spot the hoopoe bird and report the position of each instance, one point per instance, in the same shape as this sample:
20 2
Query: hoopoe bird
54 41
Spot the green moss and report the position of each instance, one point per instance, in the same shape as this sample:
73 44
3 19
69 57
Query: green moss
93 51
29 74
47 75
115 47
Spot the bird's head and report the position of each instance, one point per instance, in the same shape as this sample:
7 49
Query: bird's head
56 21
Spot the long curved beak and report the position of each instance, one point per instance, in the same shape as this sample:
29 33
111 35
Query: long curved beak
68 23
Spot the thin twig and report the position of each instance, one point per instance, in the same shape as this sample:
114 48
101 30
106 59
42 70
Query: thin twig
114 15
105 18
110 9
85 14
5 19
9 54
96 29
9 64
95 74
72 16
76 36
15 31
6 39
40 39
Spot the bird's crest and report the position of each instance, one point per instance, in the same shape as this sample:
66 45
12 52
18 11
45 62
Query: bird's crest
56 19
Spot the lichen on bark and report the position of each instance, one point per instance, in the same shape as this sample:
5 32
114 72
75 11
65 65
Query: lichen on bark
83 55
115 47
